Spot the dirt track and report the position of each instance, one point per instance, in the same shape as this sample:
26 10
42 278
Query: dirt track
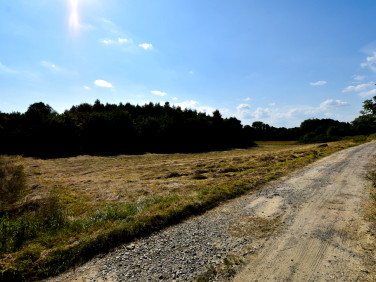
306 227
325 233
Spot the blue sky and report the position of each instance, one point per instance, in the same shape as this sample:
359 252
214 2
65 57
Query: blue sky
280 62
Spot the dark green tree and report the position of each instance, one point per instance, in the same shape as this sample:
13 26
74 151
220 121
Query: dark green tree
369 107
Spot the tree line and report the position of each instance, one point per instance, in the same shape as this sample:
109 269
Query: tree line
124 128
321 130
115 129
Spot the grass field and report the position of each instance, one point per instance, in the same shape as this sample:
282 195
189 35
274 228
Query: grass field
73 208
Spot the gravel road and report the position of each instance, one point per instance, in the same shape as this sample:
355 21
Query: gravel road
305 227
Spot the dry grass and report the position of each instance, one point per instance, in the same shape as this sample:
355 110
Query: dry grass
12 180
255 227
111 199
265 143
86 183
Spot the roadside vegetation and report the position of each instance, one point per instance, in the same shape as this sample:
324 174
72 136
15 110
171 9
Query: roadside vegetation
368 246
69 209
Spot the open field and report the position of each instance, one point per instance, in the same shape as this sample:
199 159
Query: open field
76 207
306 226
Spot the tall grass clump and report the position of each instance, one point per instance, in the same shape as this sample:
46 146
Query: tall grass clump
23 228
360 138
17 230
12 180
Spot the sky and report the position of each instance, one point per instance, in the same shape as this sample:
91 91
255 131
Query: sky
276 61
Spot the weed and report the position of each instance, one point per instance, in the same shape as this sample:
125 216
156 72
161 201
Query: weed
51 215
226 269
208 274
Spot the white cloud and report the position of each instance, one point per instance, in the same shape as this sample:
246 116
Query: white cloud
291 116
146 46
159 93
244 111
247 99
122 40
191 72
359 77
118 38
187 104
102 83
359 87
272 104
243 107
194 105
370 62
118 41
330 103
368 93
175 98
51 66
108 41
318 83
262 113
86 87
107 21
5 69
111 27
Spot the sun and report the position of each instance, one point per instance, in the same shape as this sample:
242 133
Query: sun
73 18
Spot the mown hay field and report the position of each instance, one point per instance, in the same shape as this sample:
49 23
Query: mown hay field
73 208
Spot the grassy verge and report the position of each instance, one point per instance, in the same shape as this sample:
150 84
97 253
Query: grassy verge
74 208
368 245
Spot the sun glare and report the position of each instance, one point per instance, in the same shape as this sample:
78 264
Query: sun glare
73 18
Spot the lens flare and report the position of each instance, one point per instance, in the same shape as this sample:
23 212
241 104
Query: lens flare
73 18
